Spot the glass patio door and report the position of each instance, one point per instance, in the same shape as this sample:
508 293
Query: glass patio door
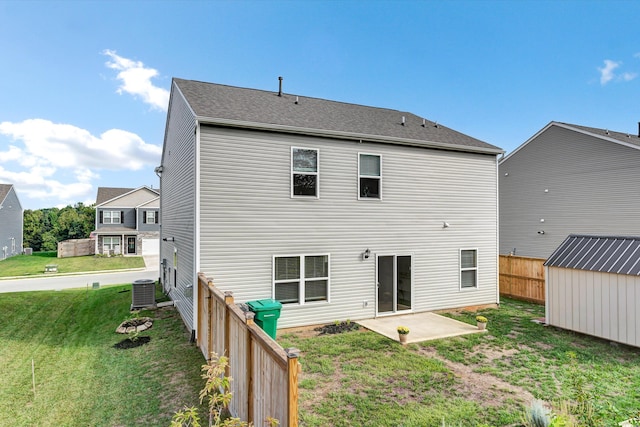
394 283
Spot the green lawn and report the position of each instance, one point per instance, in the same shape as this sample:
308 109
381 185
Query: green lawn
81 380
29 265
362 378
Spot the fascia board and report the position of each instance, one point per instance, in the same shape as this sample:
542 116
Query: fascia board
344 135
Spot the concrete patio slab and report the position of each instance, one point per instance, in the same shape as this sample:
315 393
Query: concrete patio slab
422 326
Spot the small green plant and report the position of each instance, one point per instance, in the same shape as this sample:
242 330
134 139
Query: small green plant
537 415
403 330
133 335
217 393
481 319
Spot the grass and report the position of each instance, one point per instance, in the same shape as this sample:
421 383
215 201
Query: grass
362 378
80 378
30 265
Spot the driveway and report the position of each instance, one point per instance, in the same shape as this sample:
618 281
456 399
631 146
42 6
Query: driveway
82 280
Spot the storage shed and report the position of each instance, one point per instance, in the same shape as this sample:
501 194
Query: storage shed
593 287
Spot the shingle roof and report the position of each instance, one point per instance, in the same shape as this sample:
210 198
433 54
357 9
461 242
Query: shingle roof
221 104
108 193
607 254
620 136
4 190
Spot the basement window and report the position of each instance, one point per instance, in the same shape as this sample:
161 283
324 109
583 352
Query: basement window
301 279
468 268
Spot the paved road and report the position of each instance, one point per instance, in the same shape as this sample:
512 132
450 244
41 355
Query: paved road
55 282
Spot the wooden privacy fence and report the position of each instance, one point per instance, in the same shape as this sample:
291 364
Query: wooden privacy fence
522 278
265 376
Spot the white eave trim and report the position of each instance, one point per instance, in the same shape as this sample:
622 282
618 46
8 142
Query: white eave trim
345 135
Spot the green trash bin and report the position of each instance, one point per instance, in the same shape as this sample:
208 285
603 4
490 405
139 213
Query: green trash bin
267 313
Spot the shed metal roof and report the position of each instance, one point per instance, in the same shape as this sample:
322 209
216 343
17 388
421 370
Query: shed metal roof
259 109
606 254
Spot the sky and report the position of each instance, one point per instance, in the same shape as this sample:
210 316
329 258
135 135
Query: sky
84 85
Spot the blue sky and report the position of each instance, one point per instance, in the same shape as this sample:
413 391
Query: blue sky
84 84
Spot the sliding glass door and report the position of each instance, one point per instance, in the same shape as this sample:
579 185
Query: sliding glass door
394 283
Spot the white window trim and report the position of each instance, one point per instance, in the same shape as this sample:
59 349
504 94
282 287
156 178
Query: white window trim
114 242
369 176
316 173
301 279
13 245
468 269
104 217
153 217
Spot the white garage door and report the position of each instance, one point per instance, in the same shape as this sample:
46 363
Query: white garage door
150 246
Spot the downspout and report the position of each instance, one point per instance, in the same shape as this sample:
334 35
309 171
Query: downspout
498 230
196 232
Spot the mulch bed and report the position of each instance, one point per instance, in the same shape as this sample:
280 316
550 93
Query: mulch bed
337 328
127 343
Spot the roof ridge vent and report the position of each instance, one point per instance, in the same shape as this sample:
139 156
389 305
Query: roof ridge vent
424 123
402 120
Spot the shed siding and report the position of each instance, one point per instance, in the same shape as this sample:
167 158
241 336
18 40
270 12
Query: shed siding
11 223
248 216
177 205
594 303
594 188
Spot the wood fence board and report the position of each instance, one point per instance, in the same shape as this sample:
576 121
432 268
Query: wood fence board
522 278
265 376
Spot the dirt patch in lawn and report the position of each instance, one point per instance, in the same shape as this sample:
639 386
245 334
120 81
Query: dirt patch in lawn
482 387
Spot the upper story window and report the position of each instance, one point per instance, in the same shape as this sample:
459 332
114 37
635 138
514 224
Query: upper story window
369 176
304 172
150 217
468 268
111 217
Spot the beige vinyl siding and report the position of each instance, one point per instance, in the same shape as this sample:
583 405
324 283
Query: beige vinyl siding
593 188
248 216
135 198
177 204
594 303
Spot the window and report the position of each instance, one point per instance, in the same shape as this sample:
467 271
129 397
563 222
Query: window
111 244
150 217
13 245
111 217
301 279
468 268
369 176
304 172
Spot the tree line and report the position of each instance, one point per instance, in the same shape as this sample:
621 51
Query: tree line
44 228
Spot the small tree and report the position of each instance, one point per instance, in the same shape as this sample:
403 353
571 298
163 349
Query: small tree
217 392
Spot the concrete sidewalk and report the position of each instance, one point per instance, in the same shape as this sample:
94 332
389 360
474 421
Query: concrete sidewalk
422 326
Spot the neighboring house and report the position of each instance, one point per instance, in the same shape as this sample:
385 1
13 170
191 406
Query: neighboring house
127 221
11 222
568 179
339 211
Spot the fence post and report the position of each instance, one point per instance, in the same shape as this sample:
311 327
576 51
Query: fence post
248 318
228 302
293 368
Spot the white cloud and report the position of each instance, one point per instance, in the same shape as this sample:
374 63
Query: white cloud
628 76
135 79
607 72
47 151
